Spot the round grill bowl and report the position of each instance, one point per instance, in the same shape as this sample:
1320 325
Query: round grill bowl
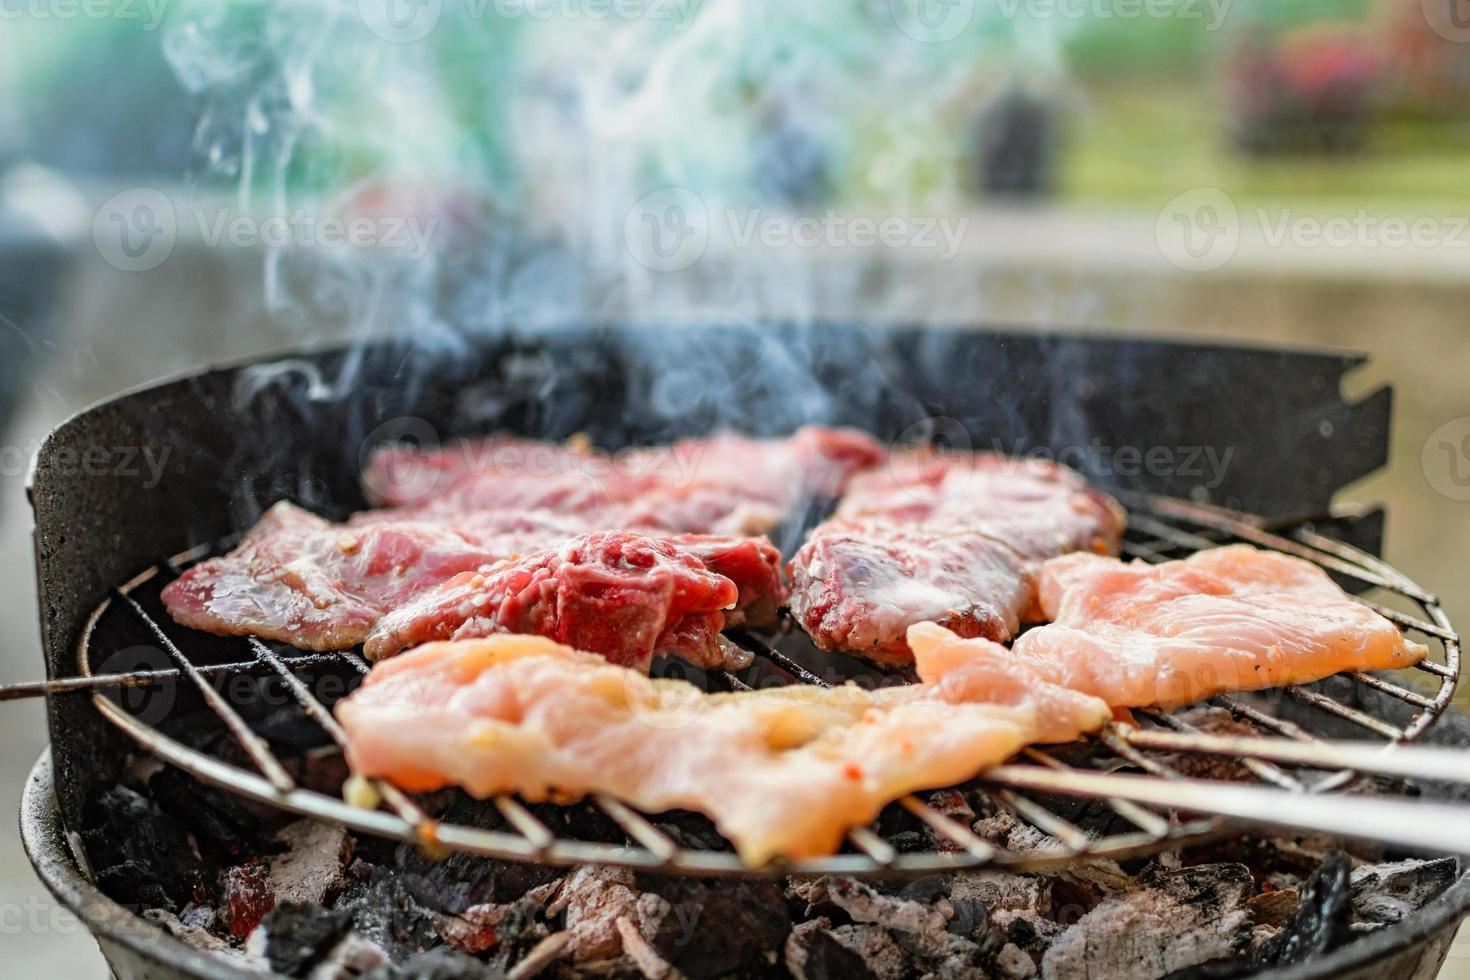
136 949
91 534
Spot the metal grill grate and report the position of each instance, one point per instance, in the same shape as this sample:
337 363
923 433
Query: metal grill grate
1160 528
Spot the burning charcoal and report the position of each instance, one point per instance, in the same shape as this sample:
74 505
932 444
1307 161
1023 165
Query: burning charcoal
293 938
866 904
949 803
1175 920
216 818
920 927
245 897
195 935
310 865
1005 896
1388 892
1321 922
462 880
437 964
140 854
1003 830
592 900
349 959
387 911
1274 908
817 951
644 956
481 927
1012 963
715 927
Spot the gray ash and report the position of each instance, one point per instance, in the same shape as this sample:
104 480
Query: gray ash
307 899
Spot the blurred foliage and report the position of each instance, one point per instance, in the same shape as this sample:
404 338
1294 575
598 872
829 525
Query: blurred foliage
756 100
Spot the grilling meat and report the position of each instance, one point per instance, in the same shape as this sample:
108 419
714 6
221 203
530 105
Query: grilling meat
317 585
955 539
321 586
1227 619
723 484
782 772
622 595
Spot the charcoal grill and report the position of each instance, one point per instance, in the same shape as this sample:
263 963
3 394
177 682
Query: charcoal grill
1023 392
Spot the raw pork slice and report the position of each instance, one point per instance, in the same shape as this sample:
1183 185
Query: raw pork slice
722 484
782 772
321 586
317 585
622 595
1228 619
955 539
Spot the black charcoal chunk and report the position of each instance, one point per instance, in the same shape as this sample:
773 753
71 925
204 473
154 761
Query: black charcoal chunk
141 855
295 938
1322 920
719 928
442 963
218 821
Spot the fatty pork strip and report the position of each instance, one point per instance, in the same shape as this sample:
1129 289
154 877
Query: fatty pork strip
303 580
1228 619
952 538
782 772
623 595
298 578
722 484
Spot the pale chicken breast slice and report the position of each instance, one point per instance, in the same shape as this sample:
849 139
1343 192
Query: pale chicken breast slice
1228 619
783 772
